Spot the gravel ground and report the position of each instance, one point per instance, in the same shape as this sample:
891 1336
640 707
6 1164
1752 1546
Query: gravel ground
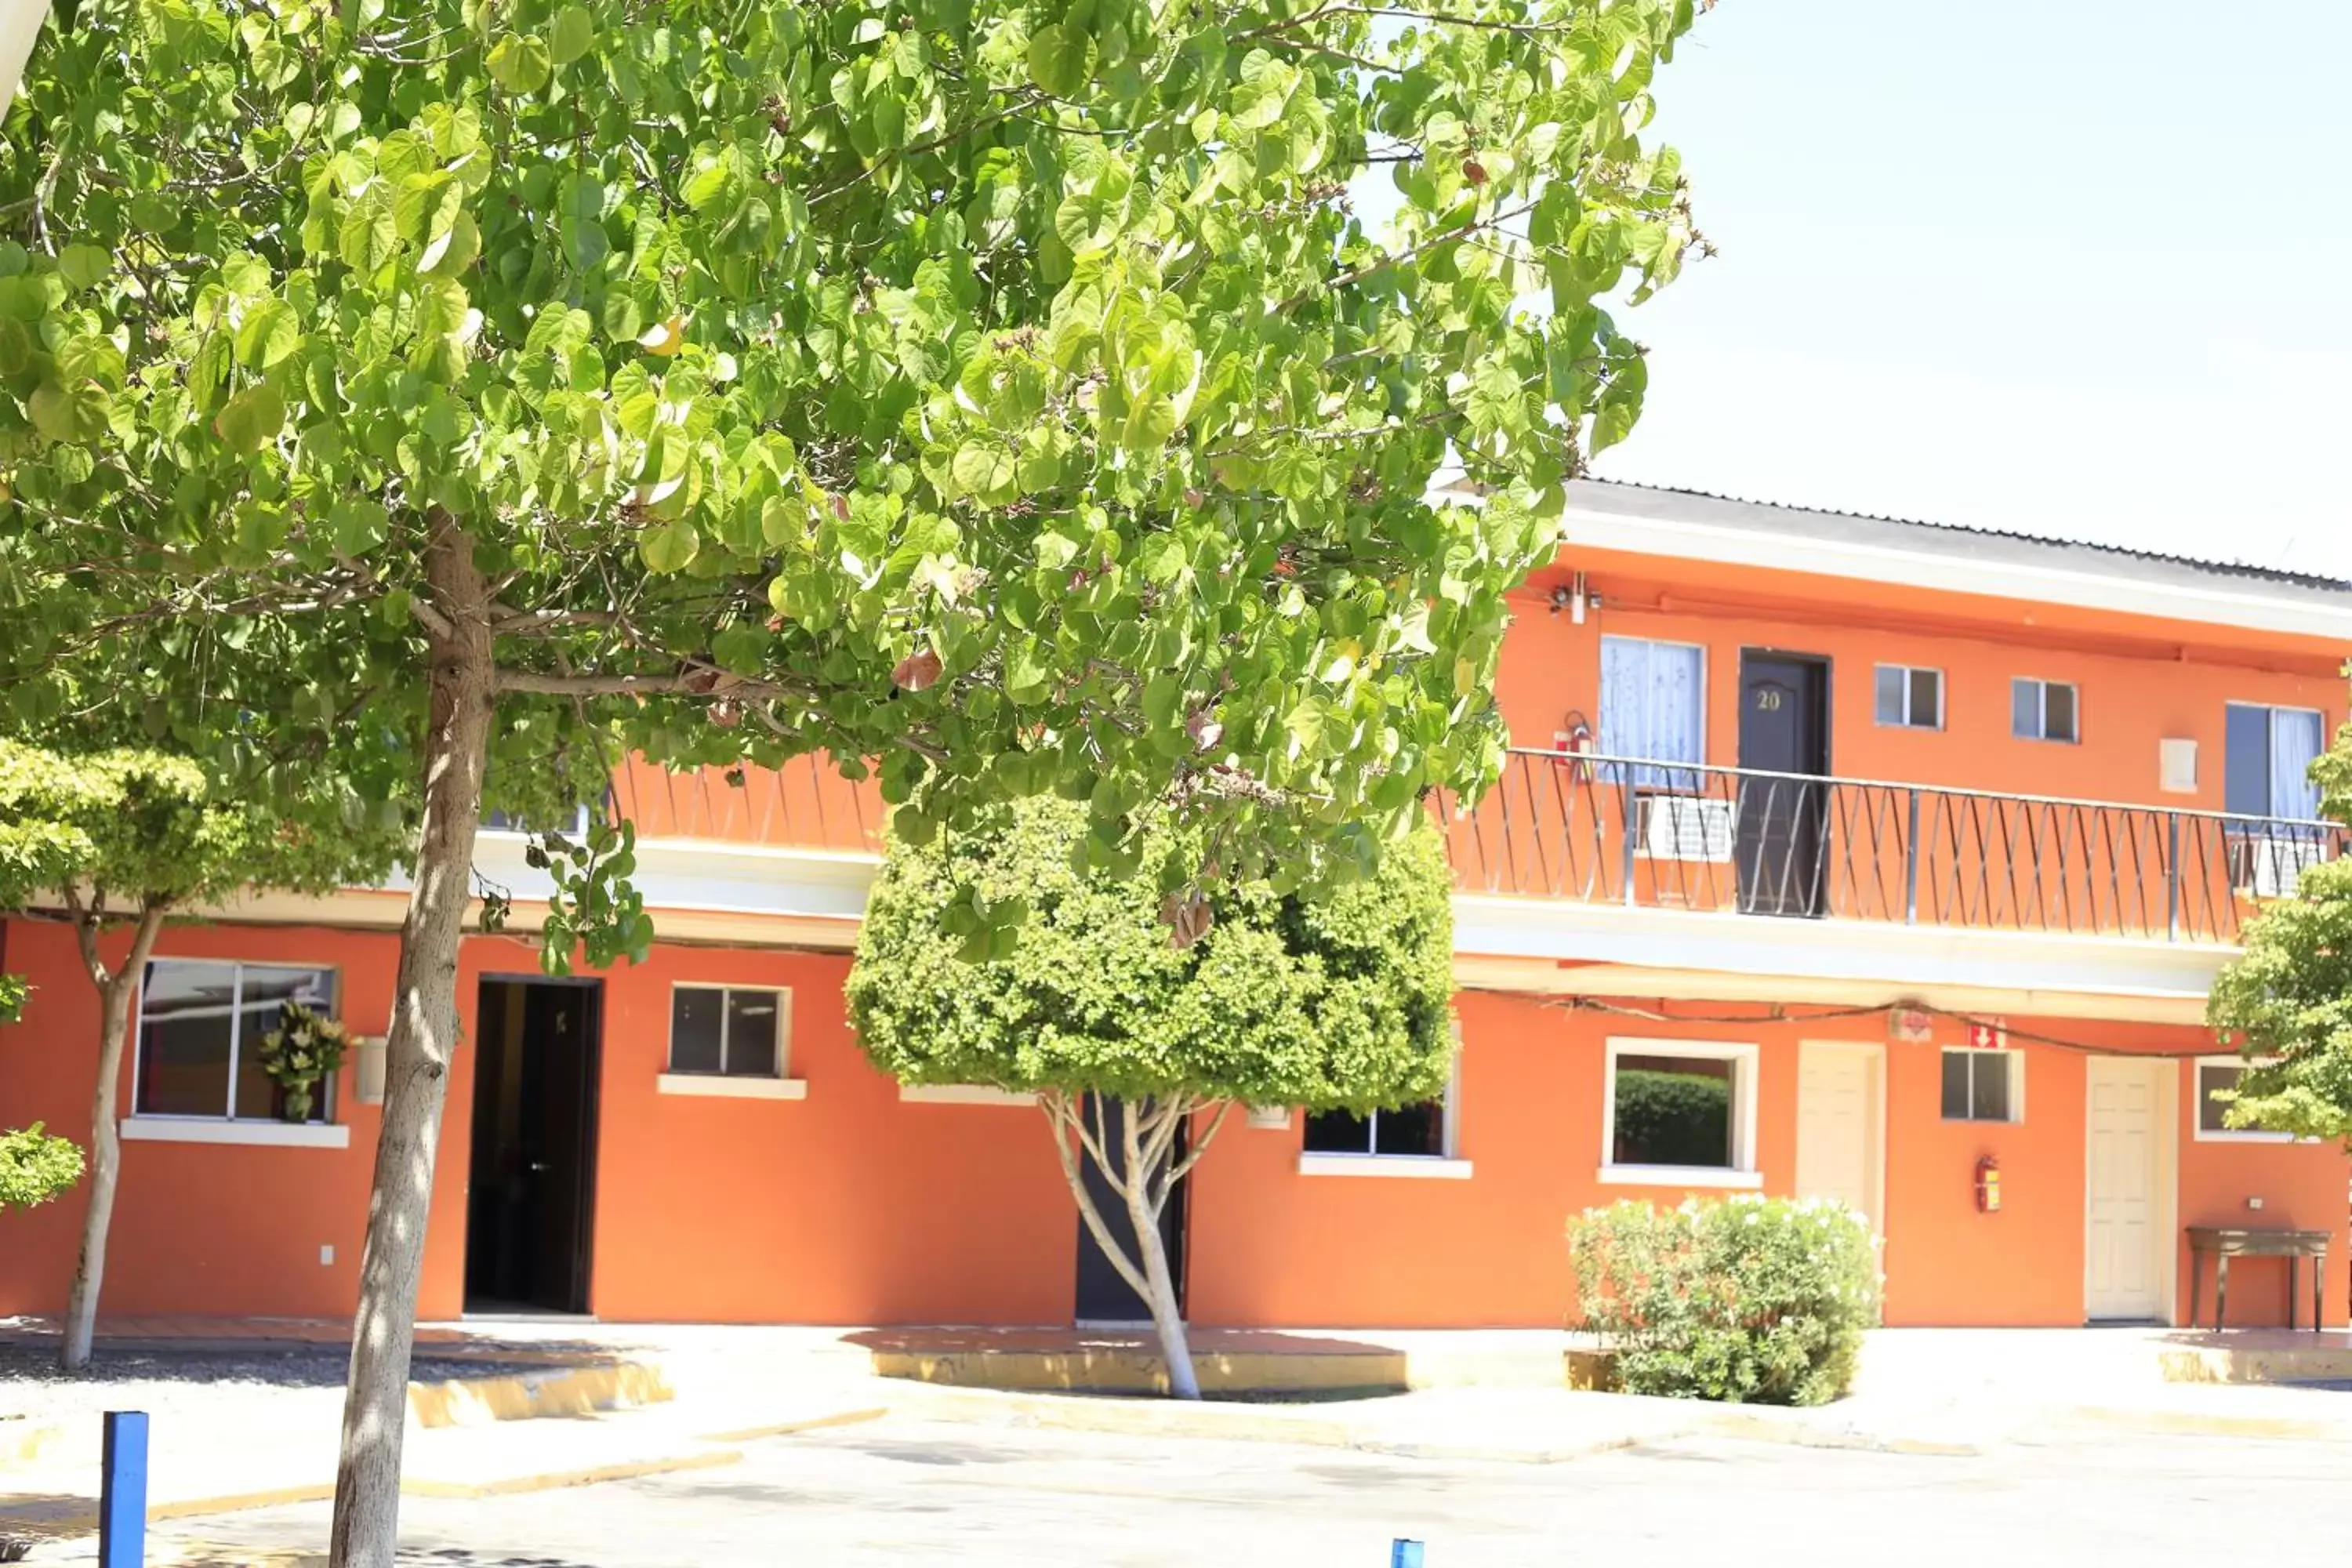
164 1383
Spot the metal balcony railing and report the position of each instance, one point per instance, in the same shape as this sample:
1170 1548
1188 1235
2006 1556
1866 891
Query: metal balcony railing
1604 829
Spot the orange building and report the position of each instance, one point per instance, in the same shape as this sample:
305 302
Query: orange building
1836 856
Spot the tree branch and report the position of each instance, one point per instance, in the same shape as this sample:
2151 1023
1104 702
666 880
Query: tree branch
1060 1113
435 622
86 917
933 145
1183 1167
1165 1119
1460 231
536 684
522 623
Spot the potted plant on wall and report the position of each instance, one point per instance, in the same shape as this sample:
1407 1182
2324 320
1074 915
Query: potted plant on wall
305 1050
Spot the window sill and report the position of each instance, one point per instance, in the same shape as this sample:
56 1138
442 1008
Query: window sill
1679 1176
963 1094
1428 1167
716 1087
220 1130
2249 1135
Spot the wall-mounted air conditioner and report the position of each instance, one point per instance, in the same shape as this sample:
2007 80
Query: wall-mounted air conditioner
1686 827
2278 864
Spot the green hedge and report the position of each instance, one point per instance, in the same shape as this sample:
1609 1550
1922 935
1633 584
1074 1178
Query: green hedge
1762 1300
35 1167
1674 1118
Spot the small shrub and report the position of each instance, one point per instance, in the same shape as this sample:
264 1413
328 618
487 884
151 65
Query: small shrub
35 1168
1762 1300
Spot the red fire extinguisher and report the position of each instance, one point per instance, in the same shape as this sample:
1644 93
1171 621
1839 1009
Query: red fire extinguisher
1574 743
1988 1186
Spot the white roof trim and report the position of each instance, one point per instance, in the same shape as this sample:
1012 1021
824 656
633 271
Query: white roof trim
2238 604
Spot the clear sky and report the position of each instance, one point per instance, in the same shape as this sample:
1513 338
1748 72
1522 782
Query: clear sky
2070 267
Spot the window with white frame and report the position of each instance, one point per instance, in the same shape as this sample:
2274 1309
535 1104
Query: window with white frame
201 1024
729 1031
2044 710
1654 708
2266 768
1421 1131
1983 1085
2218 1076
1411 1132
1680 1113
1910 697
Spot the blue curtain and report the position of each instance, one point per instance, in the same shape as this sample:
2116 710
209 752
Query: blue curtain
2296 744
1651 707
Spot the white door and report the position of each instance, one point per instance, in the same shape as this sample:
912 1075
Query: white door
1838 1125
2125 1241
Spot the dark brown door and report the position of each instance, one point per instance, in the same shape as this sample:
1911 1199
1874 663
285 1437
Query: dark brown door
1784 752
531 1194
1104 1297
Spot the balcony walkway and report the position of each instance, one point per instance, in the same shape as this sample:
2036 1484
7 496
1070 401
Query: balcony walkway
1599 830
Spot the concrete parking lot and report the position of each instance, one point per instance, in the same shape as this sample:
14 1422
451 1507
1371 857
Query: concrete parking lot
904 1490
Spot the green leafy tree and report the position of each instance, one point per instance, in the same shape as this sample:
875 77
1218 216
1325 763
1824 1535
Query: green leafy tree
1003 390
36 1167
2287 1001
127 838
1342 1002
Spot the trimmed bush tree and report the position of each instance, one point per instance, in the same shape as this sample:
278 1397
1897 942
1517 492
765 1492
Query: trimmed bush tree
1256 997
1761 1301
2287 1002
127 839
36 1167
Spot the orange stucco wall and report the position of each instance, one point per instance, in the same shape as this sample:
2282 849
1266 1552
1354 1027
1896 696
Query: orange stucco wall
851 1206
846 1207
2130 697
2141 678
197 1228
1272 1246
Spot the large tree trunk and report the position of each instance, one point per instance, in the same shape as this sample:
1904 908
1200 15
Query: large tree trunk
416 1057
115 989
1145 1148
1160 1295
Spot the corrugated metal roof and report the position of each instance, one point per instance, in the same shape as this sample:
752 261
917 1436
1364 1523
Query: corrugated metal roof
1820 522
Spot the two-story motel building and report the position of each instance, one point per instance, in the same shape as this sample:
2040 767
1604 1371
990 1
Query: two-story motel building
1898 854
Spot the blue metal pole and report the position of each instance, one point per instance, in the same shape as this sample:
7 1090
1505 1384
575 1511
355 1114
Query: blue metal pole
122 1497
1403 1554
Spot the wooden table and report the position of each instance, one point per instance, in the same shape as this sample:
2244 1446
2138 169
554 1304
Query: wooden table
2226 1243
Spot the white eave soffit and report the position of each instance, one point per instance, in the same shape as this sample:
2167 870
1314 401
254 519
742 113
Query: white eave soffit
2224 603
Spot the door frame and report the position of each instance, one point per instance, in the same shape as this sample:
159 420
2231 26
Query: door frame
1873 1055
1176 1237
1810 815
592 1111
2165 1240
1826 664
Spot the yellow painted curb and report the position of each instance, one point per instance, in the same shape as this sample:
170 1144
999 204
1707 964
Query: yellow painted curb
552 1481
2202 1424
786 1428
22 1443
471 1401
1121 1370
82 1521
2227 1364
1136 1417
